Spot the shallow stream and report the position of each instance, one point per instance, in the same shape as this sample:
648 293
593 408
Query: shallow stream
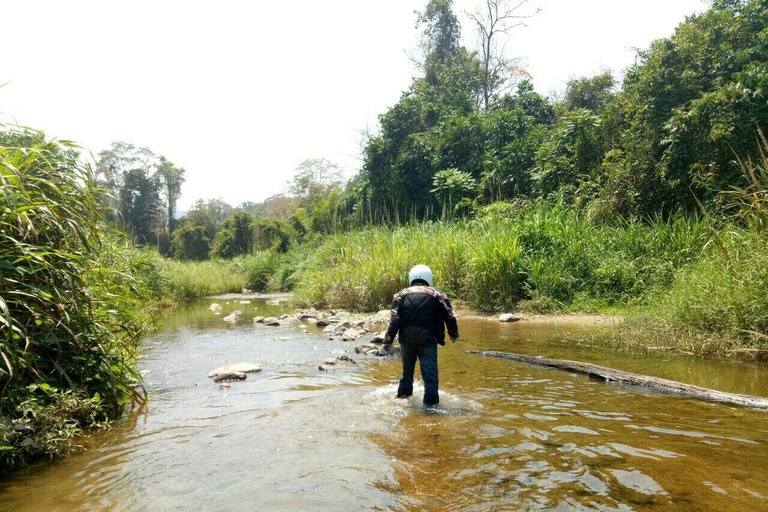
507 436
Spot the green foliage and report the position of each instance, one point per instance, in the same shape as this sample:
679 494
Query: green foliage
170 179
139 205
235 237
684 108
273 233
264 271
71 310
690 102
47 422
728 297
511 255
571 155
451 186
192 279
209 214
190 243
132 190
751 200
593 94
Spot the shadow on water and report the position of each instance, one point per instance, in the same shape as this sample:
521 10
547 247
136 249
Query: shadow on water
506 436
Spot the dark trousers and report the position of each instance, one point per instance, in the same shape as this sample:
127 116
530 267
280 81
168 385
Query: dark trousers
426 353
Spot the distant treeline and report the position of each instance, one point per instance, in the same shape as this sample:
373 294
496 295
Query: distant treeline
471 130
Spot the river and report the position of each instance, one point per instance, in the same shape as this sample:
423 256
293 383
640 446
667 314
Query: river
507 436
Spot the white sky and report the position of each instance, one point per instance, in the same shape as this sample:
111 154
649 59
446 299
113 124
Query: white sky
239 93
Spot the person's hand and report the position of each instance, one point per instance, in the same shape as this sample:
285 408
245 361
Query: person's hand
387 339
454 338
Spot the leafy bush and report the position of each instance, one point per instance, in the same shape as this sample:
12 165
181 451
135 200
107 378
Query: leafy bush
190 243
71 310
235 237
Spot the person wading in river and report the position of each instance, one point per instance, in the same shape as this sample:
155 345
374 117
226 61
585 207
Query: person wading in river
420 313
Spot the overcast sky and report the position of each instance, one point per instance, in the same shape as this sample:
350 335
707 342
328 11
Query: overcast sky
239 93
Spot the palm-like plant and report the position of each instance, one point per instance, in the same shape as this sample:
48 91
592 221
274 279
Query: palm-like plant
451 186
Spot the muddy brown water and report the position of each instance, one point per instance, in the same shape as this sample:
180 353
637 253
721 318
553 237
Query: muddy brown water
507 436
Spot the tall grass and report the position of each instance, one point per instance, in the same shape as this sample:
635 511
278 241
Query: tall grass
263 271
71 299
541 256
719 302
190 279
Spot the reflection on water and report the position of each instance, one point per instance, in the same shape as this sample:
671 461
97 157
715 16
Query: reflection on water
506 436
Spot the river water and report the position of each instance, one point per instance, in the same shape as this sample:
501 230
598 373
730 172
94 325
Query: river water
507 436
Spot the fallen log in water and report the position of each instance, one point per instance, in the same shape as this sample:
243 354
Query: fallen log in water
633 379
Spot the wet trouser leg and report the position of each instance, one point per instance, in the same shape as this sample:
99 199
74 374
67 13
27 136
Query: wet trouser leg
427 355
408 353
428 364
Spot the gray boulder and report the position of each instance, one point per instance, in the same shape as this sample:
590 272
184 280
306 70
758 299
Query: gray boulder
235 368
271 320
258 319
340 362
229 376
378 337
232 317
352 334
337 328
509 317
388 350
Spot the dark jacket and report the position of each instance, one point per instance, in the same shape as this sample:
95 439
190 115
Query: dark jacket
420 313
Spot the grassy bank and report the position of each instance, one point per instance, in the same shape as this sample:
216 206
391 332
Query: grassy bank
718 305
680 284
679 287
541 258
261 272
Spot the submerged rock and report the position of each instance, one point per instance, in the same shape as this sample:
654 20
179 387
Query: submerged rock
340 362
232 317
388 350
341 315
378 337
234 369
352 334
229 376
382 317
509 317
215 307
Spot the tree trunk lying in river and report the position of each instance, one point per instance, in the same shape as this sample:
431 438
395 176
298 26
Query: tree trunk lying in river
633 379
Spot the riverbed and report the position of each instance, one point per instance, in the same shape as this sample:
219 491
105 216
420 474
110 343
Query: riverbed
506 436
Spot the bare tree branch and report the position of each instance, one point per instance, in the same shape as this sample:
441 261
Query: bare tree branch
490 25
